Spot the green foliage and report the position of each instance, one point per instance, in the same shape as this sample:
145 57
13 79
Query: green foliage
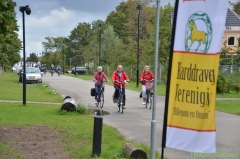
236 6
228 82
116 41
222 86
10 44
225 58
32 58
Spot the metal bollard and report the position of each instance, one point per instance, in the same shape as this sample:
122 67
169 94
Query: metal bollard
97 136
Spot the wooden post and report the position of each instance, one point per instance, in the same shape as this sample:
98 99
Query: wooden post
131 152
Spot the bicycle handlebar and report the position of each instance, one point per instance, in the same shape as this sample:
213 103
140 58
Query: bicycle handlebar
120 82
146 80
99 80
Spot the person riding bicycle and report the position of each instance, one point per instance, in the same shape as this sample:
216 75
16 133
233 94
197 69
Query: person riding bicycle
58 69
52 69
98 79
119 76
145 76
44 68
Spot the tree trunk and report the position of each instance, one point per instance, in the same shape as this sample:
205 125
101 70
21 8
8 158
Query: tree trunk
131 152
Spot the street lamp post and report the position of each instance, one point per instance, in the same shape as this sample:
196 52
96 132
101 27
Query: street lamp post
75 71
100 27
28 11
138 8
63 57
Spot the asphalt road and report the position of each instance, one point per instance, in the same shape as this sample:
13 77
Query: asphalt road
135 122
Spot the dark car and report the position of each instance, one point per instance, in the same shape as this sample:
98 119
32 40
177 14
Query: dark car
79 70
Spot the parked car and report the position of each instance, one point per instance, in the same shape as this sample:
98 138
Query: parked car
79 70
33 75
18 70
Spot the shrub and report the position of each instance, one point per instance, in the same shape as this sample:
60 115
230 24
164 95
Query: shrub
222 86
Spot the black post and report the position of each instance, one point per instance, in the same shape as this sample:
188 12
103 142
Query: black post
28 11
97 136
63 58
139 8
99 27
24 62
75 71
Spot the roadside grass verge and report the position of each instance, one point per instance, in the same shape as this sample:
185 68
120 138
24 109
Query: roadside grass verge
231 94
229 106
12 90
77 129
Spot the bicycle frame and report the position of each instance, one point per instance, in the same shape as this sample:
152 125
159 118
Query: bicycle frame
149 95
120 97
100 96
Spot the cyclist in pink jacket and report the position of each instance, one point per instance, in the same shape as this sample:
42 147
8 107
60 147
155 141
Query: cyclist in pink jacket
98 79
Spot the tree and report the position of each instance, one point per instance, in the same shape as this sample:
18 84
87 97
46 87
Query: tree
225 58
236 6
32 58
10 44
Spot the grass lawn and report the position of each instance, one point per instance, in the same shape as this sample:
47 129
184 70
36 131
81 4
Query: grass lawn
77 129
12 90
229 106
231 94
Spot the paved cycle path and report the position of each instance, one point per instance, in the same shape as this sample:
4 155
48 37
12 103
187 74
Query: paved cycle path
135 122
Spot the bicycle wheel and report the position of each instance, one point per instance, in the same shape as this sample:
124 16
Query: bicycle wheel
150 100
147 98
101 99
121 103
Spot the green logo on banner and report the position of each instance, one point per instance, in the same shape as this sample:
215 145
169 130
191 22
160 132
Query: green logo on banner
198 34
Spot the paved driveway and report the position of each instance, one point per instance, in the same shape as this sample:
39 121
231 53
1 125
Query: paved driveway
135 122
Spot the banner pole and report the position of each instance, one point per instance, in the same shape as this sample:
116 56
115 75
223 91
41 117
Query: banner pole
153 122
168 80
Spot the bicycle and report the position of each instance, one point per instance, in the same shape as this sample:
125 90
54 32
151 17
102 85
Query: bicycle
100 97
120 97
58 71
149 88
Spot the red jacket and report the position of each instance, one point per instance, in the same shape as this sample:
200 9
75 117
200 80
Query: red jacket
115 77
98 77
146 76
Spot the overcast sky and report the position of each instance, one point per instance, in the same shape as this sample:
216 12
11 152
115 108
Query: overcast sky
59 17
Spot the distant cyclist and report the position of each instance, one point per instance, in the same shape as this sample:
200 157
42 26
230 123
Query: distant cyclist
98 79
145 76
52 69
58 69
119 76
44 68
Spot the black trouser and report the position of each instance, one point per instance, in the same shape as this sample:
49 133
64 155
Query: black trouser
115 95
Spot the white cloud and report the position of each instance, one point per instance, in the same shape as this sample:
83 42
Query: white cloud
58 22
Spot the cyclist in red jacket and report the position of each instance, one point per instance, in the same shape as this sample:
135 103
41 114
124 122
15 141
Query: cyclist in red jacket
145 76
98 79
121 76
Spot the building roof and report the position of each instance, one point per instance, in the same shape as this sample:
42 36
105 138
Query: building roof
232 18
